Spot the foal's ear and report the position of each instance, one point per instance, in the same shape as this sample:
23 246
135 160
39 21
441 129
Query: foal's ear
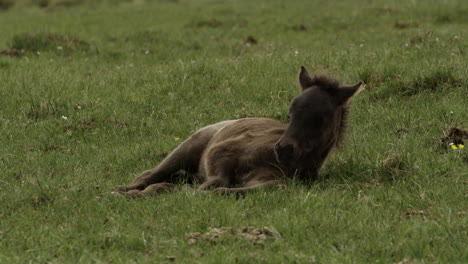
304 79
345 93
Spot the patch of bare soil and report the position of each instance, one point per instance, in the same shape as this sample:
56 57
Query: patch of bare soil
257 236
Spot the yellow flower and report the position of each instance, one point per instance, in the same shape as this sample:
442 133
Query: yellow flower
176 138
461 146
453 146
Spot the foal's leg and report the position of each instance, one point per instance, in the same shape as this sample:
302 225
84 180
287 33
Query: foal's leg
214 182
220 165
187 156
256 179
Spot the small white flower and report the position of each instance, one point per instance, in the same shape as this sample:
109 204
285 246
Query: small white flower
79 107
296 53
59 47
64 118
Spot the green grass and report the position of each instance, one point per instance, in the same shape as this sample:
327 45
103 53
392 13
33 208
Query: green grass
100 89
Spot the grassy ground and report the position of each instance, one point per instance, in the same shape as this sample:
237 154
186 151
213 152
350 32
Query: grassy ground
94 92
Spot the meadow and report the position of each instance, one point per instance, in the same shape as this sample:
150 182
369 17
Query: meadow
92 93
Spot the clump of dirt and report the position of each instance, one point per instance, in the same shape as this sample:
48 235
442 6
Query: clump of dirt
43 3
81 126
251 41
12 52
455 135
404 25
6 4
401 25
54 147
209 23
401 131
54 4
68 3
300 27
413 213
88 125
216 235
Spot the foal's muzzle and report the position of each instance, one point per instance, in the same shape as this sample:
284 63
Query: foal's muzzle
284 153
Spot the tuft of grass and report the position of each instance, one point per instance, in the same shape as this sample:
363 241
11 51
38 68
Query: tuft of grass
45 109
392 84
436 80
393 168
431 82
209 23
4 64
60 44
370 78
147 38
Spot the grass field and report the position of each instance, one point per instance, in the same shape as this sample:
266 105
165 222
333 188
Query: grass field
94 92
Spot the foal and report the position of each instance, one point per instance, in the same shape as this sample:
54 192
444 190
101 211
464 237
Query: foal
237 156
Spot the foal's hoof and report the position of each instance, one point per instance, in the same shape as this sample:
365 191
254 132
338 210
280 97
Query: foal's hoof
111 194
133 194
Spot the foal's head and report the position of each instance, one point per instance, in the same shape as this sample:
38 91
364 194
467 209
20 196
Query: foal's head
316 121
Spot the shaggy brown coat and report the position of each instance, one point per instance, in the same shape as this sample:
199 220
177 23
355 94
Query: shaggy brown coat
237 156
